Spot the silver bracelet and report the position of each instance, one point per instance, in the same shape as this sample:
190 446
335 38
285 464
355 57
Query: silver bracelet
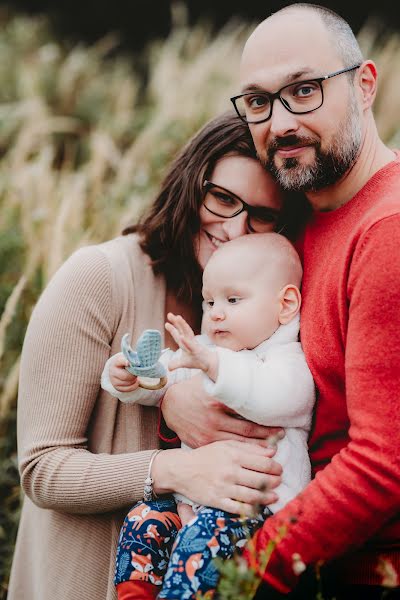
148 492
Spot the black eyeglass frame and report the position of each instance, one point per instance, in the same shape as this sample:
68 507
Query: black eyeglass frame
250 210
277 95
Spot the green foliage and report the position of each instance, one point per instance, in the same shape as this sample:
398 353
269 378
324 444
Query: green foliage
239 578
238 581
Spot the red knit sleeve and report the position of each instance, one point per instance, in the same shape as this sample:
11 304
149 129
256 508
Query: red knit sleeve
358 493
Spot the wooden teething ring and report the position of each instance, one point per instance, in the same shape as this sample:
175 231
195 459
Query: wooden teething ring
153 386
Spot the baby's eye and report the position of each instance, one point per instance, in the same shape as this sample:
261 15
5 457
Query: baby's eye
233 300
209 303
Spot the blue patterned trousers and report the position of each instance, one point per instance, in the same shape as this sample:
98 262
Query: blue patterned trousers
153 547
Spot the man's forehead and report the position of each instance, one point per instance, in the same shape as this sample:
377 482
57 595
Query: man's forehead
296 22
287 47
271 78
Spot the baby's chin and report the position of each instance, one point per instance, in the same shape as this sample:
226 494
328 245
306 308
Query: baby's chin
227 341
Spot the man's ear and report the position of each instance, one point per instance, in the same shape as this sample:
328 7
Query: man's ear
289 303
367 81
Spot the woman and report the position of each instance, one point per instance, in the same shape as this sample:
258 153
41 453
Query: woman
84 457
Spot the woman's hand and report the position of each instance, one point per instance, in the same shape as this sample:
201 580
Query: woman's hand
233 476
198 419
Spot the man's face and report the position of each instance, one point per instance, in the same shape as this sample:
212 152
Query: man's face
328 163
305 152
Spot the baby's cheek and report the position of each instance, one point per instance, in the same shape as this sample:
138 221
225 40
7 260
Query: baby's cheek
205 325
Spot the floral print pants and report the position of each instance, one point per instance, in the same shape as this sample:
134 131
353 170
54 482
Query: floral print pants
154 548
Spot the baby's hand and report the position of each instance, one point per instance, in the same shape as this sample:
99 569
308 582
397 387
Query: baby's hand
194 355
120 378
185 512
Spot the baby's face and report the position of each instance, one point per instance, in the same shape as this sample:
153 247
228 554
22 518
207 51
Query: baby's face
240 308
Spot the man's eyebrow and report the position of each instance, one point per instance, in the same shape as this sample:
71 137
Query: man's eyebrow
299 75
252 87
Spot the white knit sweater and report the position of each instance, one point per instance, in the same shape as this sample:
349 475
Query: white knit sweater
271 385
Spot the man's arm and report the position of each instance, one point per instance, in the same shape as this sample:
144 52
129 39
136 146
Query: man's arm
198 419
352 498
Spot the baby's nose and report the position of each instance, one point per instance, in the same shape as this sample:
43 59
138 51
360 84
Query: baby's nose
217 313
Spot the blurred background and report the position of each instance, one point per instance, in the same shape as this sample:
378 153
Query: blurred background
95 100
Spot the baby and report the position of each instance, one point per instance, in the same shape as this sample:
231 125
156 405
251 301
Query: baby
251 361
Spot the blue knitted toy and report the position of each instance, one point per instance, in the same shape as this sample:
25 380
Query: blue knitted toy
143 362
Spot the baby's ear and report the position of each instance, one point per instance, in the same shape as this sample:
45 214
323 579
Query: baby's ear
289 303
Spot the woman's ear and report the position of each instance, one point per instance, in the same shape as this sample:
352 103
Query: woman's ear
289 303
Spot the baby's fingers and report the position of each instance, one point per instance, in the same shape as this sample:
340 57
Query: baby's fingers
181 325
121 377
174 333
190 345
118 361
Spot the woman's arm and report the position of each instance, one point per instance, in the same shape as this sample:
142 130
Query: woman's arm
233 476
65 348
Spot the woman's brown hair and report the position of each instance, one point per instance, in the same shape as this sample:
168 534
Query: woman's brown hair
170 224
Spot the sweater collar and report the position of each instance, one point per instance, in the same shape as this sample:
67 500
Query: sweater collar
283 335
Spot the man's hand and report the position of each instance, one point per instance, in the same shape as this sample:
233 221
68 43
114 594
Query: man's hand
198 419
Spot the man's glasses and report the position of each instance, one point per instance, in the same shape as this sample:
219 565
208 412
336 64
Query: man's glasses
221 202
299 98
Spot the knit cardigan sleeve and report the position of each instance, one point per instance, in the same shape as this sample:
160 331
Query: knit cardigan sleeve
353 497
65 348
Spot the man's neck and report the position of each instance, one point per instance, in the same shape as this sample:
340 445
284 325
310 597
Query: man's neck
372 157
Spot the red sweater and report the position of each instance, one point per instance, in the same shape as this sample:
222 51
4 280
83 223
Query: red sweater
350 331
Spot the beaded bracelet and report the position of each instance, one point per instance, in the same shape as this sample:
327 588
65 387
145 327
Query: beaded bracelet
148 492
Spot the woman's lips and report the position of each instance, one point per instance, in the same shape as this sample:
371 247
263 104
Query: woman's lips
215 241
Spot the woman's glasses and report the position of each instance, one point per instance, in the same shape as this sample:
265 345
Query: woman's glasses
223 203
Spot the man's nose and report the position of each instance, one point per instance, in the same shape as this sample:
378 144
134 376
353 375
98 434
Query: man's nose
282 121
236 226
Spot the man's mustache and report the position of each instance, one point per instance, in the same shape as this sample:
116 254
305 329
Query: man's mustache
290 140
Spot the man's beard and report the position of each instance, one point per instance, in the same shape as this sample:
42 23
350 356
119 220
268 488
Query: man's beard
328 167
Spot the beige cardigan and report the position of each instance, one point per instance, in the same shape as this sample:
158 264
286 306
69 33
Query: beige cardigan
83 455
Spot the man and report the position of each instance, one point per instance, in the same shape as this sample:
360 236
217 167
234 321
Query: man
307 95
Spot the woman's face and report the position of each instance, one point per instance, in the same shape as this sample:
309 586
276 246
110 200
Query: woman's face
247 179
